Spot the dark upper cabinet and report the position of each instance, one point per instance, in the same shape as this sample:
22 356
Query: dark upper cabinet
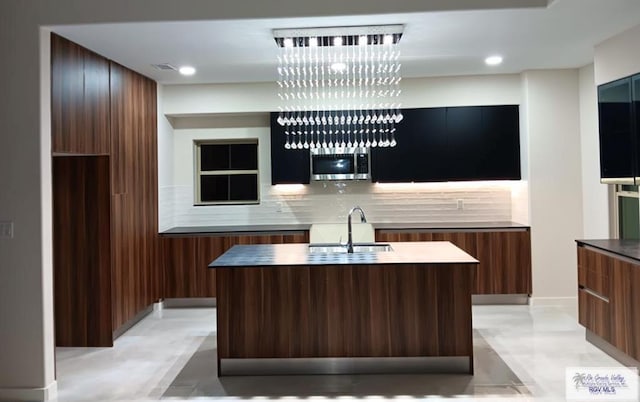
618 142
288 166
452 144
501 150
465 142
433 144
484 142
418 155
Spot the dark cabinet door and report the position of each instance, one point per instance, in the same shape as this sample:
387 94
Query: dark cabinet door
431 159
617 142
484 142
288 166
418 155
465 142
500 153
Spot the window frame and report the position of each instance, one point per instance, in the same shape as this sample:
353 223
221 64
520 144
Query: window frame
615 194
198 173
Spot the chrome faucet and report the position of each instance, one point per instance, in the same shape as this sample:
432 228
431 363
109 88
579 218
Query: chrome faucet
349 230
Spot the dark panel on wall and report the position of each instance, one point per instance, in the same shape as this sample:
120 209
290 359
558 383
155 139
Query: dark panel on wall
81 257
137 275
79 99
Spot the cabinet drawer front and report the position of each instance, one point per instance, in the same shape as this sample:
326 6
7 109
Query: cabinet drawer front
593 271
593 313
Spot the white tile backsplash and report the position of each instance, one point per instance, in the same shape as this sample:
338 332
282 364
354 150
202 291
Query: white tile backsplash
330 202
166 206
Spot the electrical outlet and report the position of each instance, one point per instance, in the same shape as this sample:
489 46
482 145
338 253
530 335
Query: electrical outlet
6 230
460 204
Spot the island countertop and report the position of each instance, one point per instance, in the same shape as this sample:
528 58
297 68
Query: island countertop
267 255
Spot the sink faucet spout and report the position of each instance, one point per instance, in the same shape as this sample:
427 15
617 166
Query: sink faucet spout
349 229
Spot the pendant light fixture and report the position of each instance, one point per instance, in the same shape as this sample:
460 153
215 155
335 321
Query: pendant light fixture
339 87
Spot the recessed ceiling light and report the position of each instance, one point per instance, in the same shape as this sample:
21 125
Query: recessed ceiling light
288 42
493 60
338 67
337 41
187 70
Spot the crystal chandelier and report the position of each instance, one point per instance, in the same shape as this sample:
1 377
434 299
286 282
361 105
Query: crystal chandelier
339 87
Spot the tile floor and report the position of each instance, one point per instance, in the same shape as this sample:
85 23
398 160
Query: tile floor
521 354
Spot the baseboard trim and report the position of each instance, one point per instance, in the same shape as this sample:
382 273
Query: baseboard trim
611 350
189 302
500 299
30 394
347 365
554 301
127 325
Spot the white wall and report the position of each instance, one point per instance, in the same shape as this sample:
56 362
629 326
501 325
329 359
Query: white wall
329 202
165 168
416 92
551 108
595 196
26 291
617 57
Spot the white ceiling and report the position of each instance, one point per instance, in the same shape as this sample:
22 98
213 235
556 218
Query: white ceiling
434 44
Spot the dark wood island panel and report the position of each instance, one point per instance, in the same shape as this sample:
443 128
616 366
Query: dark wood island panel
345 311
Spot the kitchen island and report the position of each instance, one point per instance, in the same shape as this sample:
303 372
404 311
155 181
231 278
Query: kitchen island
284 308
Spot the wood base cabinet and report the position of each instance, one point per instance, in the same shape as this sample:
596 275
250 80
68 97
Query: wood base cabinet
608 298
186 257
504 255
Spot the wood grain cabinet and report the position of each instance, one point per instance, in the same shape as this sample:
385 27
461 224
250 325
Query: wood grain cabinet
624 308
105 195
504 255
82 251
79 99
593 292
608 298
186 258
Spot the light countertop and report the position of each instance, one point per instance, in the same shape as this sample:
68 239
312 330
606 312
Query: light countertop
273 255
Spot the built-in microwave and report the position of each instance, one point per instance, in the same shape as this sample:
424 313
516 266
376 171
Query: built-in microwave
340 164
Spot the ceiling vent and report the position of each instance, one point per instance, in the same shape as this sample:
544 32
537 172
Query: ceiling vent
164 67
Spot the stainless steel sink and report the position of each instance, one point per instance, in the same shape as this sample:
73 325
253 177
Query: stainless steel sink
342 248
